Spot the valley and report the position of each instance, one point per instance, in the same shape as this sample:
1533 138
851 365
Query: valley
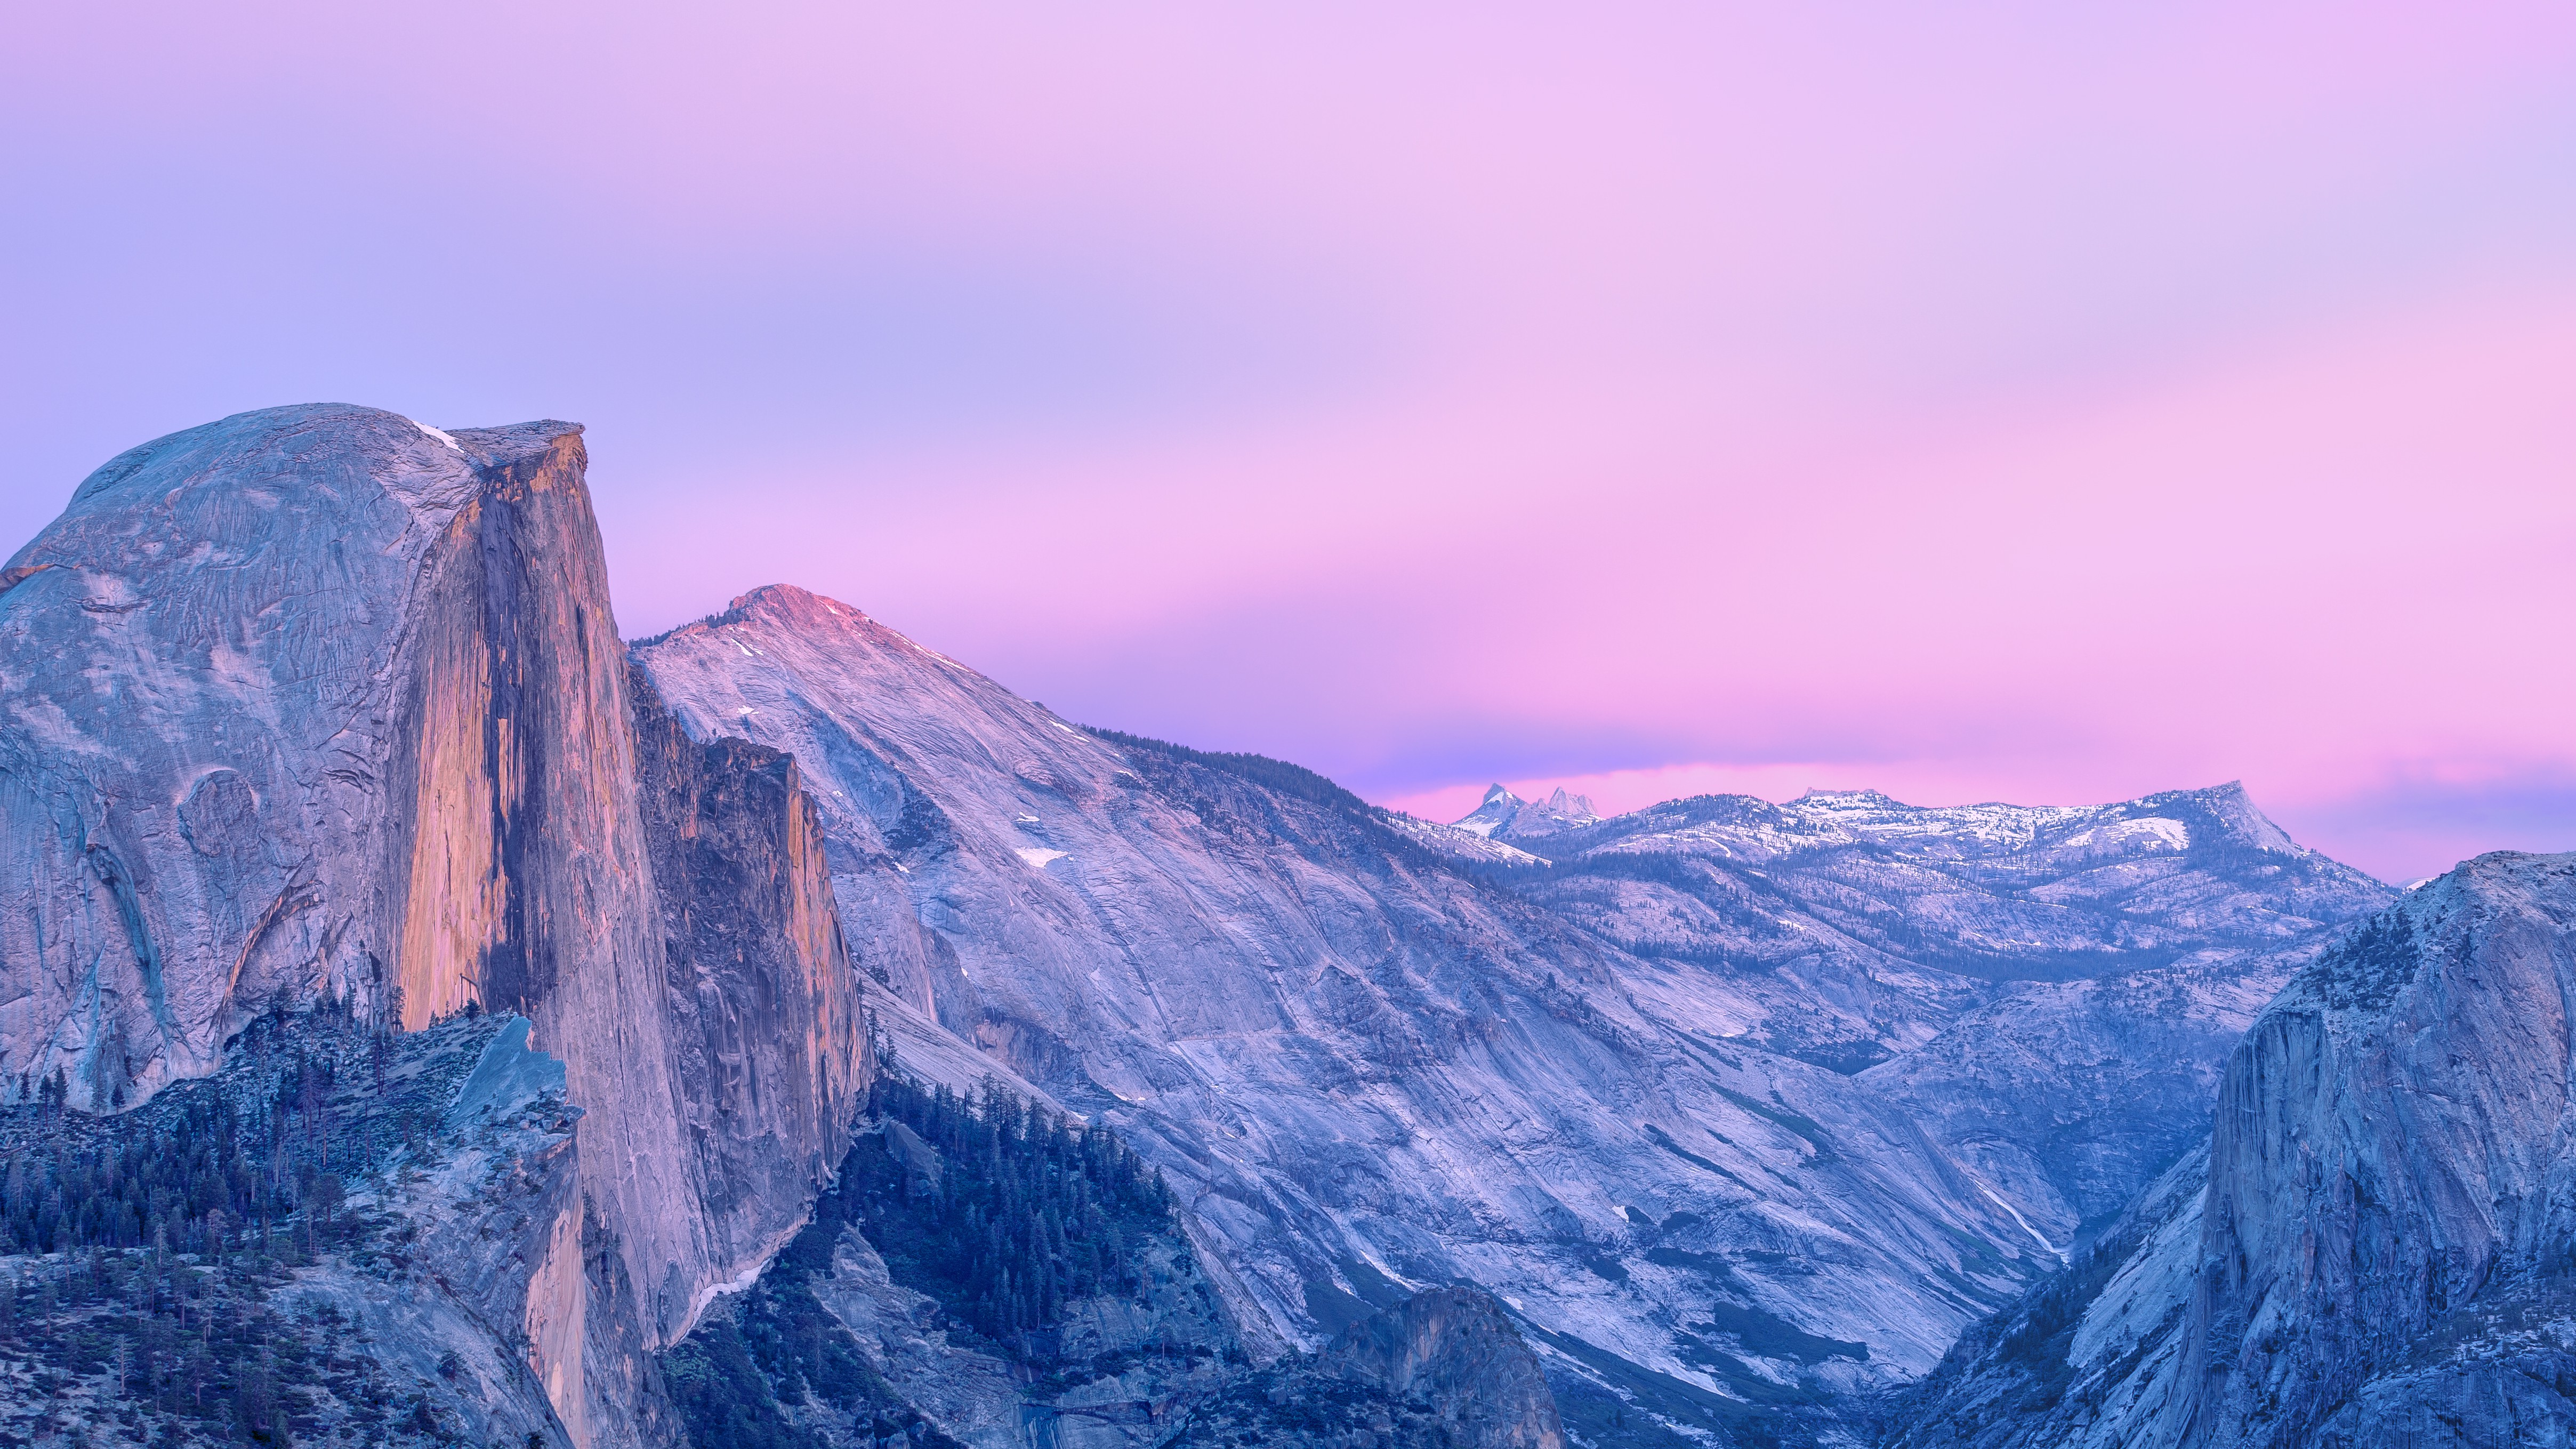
794 947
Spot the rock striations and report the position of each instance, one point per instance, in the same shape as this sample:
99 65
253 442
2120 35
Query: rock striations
322 703
2378 1250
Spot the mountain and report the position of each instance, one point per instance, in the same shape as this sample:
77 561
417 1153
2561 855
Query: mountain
1381 1063
2374 1247
2049 990
321 705
565 1008
1365 1071
1507 817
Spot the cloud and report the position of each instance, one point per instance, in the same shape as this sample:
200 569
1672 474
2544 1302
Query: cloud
2012 402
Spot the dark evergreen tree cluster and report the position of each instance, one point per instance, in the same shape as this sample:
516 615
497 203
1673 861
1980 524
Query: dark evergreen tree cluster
1023 1213
198 1351
998 1209
139 1251
1245 792
262 1163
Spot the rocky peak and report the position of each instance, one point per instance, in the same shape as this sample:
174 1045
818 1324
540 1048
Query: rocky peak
2227 813
1576 809
1493 813
323 704
1505 816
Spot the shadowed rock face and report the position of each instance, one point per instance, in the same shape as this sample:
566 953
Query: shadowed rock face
321 701
1457 1349
765 1036
2381 1251
1444 1367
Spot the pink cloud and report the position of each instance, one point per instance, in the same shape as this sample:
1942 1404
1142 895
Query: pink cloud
2004 402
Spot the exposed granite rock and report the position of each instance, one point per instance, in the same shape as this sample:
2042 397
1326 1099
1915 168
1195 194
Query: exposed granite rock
2068 1097
1365 1072
1502 815
2383 1245
319 701
766 1035
2050 990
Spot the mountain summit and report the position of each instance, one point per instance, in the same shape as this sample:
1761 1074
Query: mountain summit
1506 816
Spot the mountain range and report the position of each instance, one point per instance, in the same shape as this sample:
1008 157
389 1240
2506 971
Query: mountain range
1722 1121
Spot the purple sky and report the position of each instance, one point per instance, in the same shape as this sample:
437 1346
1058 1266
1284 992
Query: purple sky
2050 403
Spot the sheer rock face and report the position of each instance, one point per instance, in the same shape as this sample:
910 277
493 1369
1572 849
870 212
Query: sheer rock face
766 1040
2393 1142
2383 1245
320 700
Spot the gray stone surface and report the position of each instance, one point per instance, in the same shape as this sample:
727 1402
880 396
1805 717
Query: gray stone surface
2382 1248
1364 1071
319 700
507 1076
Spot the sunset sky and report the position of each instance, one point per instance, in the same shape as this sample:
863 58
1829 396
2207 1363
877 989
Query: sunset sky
2034 402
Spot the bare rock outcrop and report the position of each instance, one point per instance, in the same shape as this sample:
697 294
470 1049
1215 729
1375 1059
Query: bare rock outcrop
319 702
1364 1072
2382 1251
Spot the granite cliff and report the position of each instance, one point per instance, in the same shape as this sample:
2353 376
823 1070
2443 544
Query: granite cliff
2375 1247
321 703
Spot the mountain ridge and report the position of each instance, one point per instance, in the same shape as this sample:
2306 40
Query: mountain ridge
1740 1112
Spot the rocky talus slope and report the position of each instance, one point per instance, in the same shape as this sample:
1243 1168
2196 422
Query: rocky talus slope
2379 1248
319 702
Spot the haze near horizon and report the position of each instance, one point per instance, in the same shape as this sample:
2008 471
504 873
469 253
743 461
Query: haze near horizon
2016 404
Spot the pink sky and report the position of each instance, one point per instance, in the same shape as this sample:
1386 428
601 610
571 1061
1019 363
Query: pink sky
2028 402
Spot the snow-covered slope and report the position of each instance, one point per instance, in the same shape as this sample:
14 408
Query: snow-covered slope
1503 815
2049 990
1460 843
1361 1067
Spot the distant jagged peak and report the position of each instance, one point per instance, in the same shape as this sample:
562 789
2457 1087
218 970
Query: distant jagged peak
1870 800
1576 808
1494 813
1504 815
